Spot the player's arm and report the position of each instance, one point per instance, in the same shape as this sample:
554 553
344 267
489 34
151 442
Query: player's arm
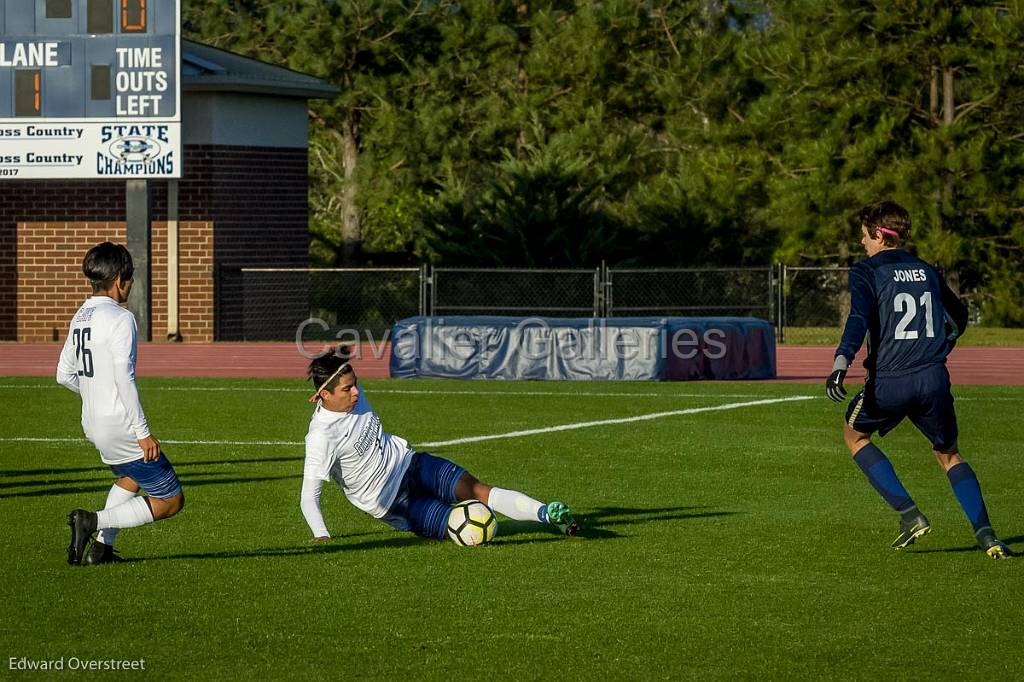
956 312
862 307
67 367
312 483
309 502
122 344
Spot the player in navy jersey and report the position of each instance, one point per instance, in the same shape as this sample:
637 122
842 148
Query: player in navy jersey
911 319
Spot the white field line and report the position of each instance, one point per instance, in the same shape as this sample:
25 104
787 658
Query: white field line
458 441
608 422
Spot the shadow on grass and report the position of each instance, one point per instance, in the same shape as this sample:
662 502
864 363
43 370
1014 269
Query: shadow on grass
332 547
598 524
177 465
190 482
971 548
591 530
625 516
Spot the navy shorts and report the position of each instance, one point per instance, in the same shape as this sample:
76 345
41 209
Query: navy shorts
923 396
425 497
157 478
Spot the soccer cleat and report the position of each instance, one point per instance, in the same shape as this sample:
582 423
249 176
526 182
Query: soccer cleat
100 553
560 516
993 546
83 525
911 530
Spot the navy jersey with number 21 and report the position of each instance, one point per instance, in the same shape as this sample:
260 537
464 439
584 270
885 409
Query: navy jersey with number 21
902 304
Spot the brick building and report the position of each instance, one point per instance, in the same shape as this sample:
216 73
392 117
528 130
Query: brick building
242 201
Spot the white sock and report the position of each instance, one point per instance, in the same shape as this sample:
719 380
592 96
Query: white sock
134 512
515 505
116 496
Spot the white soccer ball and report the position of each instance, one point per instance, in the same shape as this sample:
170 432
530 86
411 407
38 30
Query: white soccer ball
471 523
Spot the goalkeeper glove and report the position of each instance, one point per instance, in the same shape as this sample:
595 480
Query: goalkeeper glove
834 384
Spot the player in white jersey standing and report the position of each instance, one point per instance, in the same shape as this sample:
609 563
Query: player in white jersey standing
98 362
381 475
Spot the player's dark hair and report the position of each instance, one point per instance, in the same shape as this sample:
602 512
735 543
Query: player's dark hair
104 263
887 217
320 369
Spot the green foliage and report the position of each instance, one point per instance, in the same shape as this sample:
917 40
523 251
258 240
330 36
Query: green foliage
678 132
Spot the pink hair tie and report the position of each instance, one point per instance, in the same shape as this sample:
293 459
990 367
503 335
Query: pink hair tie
886 230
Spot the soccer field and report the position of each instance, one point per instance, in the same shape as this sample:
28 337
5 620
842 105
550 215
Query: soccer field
718 543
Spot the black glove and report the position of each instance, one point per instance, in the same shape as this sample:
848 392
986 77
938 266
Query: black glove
834 385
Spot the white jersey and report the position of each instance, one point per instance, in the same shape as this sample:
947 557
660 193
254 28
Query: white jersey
98 362
352 448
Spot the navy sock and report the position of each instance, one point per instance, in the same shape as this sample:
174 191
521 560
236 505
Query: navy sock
878 469
968 493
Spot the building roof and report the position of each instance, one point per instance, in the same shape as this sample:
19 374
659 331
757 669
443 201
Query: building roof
210 69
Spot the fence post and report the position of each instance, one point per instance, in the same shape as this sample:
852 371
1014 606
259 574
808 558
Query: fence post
423 289
606 290
218 309
783 277
432 284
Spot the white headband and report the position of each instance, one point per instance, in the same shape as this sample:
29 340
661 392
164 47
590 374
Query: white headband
329 380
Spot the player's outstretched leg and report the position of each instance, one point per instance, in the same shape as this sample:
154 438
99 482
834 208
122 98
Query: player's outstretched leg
516 505
561 517
83 525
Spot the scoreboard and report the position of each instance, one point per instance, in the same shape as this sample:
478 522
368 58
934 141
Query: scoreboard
90 89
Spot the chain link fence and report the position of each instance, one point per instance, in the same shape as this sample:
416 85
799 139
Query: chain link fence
521 293
698 292
814 304
277 304
806 305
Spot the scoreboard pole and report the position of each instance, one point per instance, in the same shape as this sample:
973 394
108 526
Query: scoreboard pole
173 330
140 247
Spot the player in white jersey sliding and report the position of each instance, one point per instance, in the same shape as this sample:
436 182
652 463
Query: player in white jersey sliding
381 475
98 362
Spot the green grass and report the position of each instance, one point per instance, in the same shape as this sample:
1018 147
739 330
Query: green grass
975 336
728 544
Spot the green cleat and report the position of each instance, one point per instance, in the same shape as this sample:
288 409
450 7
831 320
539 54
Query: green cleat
993 546
911 530
560 516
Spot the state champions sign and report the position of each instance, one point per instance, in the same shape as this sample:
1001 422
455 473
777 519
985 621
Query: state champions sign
90 89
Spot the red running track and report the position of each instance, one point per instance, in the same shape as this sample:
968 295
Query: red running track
796 364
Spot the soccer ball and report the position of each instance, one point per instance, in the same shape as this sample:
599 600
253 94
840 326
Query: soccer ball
471 523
